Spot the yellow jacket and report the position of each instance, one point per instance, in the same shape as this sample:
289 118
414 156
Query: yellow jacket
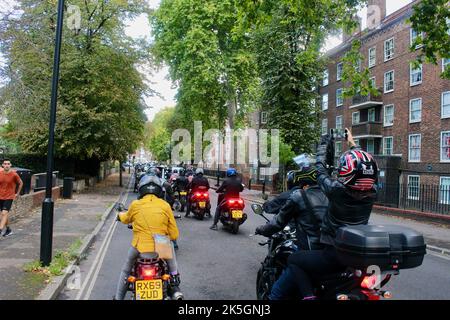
149 215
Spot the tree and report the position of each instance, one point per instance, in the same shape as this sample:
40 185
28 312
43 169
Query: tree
287 39
158 135
212 65
100 107
431 18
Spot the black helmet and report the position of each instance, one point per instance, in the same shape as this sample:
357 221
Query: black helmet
306 175
154 171
150 184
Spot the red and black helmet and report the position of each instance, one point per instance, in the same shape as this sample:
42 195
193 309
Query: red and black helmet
358 170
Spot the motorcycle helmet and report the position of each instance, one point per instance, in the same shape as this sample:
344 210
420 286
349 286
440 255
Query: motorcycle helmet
305 175
154 172
150 184
358 170
198 171
231 172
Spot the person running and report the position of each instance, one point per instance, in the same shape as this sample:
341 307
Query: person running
9 183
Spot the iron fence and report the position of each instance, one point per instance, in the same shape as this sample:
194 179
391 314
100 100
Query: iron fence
420 197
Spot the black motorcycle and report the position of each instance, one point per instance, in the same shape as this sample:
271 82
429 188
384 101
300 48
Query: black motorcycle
368 271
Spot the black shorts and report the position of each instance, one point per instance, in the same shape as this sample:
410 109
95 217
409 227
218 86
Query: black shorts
5 205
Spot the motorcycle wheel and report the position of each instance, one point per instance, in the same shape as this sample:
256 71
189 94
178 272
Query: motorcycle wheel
235 227
262 286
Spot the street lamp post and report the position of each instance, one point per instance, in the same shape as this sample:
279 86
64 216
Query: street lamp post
48 205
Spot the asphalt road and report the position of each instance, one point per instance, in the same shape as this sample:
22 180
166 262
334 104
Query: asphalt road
219 265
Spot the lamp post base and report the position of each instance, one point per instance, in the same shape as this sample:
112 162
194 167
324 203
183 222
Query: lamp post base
47 231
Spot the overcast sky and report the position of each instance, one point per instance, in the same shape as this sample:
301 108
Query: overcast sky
140 28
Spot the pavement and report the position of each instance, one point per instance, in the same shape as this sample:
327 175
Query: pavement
74 219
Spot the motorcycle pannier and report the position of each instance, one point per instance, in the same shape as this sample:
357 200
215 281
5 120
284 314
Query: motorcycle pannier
388 247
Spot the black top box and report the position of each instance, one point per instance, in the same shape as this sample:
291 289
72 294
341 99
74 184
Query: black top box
388 247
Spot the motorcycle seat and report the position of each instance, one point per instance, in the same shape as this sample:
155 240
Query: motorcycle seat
148 256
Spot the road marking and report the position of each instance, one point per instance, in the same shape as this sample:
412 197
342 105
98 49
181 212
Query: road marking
98 261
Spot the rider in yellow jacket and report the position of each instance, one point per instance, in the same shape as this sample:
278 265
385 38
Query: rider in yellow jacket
148 216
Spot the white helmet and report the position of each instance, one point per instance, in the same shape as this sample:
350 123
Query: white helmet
199 171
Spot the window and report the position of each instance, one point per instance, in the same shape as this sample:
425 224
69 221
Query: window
388 115
339 123
445 108
325 102
444 196
373 82
324 126
415 110
413 37
356 141
389 81
415 75
389 49
339 97
414 147
355 118
372 57
388 148
445 146
339 70
445 63
263 117
338 148
448 25
413 187
371 115
370 146
325 78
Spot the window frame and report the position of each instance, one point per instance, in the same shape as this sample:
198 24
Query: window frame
393 49
342 95
441 147
339 74
440 190
393 81
369 112
384 115
409 147
264 116
392 145
325 94
327 72
411 42
445 64
410 105
367 146
409 196
359 118
442 105
338 151
411 83
324 120
375 57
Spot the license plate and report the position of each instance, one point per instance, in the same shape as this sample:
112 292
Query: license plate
236 214
149 290
202 204
183 193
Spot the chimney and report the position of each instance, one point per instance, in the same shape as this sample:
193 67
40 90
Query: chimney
346 36
376 12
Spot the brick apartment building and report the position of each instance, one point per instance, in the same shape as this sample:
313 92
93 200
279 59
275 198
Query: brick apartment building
407 126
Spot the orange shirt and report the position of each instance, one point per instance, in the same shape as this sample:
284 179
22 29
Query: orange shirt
8 184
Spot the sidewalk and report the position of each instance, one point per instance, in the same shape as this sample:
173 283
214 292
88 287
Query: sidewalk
73 220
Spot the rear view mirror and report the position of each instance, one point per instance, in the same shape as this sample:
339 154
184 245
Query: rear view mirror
257 209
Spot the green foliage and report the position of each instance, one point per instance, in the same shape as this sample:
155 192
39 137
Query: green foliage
100 111
158 134
432 17
211 64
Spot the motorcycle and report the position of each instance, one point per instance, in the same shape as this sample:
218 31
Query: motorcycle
150 278
358 281
231 214
200 203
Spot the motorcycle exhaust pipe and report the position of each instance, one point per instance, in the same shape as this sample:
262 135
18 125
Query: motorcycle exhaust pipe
178 296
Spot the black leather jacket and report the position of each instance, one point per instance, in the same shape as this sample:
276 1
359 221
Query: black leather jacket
346 206
198 181
274 206
307 214
181 183
231 187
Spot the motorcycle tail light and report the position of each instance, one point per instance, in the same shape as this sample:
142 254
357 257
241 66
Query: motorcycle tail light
148 272
206 195
198 194
369 282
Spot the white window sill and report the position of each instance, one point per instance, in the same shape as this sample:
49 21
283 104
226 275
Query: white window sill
445 161
446 117
388 59
415 121
389 91
415 84
414 161
388 125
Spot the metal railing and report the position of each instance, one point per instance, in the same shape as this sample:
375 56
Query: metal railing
424 198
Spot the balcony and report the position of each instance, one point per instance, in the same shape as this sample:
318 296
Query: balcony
367 130
370 100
